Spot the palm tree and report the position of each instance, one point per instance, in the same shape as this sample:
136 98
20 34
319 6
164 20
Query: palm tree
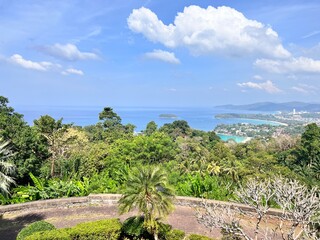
147 191
6 169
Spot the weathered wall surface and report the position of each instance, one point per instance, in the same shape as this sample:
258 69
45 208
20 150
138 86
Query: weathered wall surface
106 199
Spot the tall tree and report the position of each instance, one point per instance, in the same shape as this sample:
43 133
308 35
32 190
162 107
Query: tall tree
111 128
151 128
54 134
310 145
30 151
148 191
110 118
177 128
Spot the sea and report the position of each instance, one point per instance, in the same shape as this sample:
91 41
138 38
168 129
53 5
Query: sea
198 118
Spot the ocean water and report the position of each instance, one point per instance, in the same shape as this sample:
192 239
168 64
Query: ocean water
198 118
237 139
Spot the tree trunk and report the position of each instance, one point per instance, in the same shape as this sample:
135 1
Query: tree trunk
155 236
52 167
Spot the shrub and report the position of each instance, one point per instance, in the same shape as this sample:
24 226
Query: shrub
229 236
133 227
59 234
198 237
104 229
34 227
175 234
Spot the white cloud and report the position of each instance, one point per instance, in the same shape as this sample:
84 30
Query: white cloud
314 33
267 86
40 66
257 77
299 89
68 52
292 65
172 89
221 30
304 88
163 56
72 71
93 33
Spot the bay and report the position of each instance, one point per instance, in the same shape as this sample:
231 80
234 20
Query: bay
198 118
237 139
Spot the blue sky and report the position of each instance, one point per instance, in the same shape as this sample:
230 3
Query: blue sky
159 52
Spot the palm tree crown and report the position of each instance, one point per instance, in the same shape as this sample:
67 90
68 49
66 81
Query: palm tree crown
147 191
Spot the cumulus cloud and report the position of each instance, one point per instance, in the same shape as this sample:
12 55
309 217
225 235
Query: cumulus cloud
161 55
221 30
292 65
267 86
72 71
68 52
40 66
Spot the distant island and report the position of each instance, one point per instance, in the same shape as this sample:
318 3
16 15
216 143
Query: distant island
166 115
270 106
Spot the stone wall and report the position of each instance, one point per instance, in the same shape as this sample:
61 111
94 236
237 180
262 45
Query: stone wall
109 199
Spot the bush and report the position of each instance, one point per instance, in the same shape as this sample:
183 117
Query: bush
133 228
60 234
104 229
175 234
34 227
198 237
229 236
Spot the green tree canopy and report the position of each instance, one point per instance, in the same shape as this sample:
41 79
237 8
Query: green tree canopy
30 151
111 119
151 128
177 128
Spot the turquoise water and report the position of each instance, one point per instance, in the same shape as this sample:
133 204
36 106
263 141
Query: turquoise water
198 118
237 139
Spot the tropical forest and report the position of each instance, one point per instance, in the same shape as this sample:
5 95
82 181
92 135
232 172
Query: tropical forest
50 160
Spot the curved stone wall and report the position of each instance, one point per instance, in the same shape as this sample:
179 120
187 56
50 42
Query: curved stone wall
109 199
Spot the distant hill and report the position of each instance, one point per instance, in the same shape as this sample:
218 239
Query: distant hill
270 106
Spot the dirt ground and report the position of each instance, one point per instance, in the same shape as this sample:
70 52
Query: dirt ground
11 223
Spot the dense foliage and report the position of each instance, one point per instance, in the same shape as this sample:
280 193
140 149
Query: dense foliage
54 159
111 229
39 226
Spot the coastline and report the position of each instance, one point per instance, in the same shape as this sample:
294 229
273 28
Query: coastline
267 121
234 137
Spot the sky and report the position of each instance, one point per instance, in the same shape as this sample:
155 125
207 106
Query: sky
154 53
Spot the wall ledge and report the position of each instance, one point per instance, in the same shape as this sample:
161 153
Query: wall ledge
111 199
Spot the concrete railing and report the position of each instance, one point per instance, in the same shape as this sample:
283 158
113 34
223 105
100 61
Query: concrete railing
110 199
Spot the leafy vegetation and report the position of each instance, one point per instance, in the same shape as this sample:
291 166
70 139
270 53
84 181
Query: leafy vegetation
39 226
6 169
102 229
53 159
59 234
111 229
147 191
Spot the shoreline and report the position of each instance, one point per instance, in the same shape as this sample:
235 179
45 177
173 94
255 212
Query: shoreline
270 121
245 139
